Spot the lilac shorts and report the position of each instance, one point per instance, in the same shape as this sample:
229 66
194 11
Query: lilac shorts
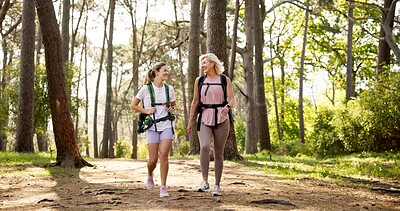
154 137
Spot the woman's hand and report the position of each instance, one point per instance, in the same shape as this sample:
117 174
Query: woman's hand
225 110
151 110
171 109
189 127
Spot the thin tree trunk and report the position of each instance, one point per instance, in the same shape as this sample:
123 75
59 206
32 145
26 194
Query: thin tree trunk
96 98
24 131
67 147
4 81
278 125
231 72
350 92
87 143
42 143
303 53
108 113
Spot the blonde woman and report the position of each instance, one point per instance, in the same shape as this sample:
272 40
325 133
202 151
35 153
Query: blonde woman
213 98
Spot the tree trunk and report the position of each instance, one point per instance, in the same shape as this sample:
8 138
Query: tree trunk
231 72
303 53
108 113
384 49
251 140
66 5
216 43
24 136
350 92
4 119
68 155
42 143
96 98
278 124
193 65
262 126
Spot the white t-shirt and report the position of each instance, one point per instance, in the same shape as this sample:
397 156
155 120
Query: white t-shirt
160 97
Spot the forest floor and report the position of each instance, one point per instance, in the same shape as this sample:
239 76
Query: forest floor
119 184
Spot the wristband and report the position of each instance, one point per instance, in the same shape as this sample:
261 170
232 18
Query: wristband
227 105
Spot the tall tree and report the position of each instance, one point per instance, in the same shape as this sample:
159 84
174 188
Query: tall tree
303 54
24 136
107 130
216 43
67 147
96 97
350 87
66 6
193 64
248 64
262 126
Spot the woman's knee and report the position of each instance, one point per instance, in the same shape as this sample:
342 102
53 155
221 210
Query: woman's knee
152 161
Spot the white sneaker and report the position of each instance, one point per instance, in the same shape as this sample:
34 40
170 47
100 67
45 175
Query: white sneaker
203 187
163 192
217 191
150 182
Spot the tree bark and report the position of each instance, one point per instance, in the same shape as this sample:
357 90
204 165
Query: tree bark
24 136
303 53
350 92
383 48
193 66
251 140
68 155
96 98
108 113
65 29
262 126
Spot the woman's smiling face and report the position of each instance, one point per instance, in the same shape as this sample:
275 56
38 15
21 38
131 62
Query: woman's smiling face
207 66
163 73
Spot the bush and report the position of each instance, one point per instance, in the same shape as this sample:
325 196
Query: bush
122 149
183 148
240 132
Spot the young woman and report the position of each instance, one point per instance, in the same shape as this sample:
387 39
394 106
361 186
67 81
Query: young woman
160 135
213 98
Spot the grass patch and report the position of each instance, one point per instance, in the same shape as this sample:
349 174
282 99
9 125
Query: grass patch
357 166
18 159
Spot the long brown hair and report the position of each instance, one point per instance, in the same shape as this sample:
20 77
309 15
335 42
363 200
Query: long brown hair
151 74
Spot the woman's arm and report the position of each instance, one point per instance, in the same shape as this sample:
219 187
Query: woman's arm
194 104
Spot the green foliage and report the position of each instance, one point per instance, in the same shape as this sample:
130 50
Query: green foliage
381 105
142 152
183 148
240 132
122 148
368 123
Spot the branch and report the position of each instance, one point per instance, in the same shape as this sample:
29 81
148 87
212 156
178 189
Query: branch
388 31
296 3
12 27
356 22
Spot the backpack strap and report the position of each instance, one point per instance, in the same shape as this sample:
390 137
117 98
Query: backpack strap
201 105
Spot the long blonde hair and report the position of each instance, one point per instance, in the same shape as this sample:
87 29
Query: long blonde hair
151 74
219 65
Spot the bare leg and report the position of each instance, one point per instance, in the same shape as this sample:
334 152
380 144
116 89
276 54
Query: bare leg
165 146
153 158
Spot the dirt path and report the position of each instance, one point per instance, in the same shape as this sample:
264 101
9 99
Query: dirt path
119 185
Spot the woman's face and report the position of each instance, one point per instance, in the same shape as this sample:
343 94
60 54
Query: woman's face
163 73
207 66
